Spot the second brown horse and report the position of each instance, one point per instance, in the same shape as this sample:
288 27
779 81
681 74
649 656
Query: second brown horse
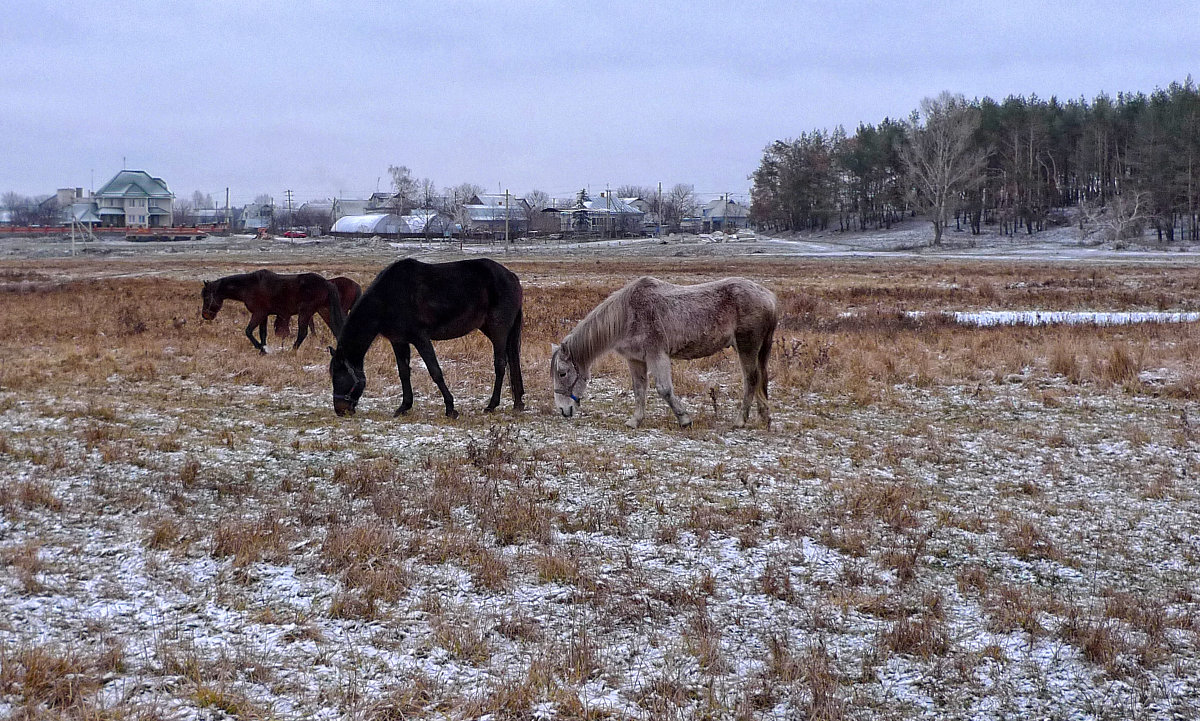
266 293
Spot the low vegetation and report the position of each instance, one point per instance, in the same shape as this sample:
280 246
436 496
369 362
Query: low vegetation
944 521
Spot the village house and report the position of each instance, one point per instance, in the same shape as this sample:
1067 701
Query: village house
724 215
134 199
486 213
607 215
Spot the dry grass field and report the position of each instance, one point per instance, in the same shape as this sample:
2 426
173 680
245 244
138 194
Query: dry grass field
944 521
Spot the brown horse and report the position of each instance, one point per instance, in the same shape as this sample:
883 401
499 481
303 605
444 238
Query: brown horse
348 291
266 293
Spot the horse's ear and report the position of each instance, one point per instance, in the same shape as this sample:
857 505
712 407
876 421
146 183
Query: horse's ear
554 348
330 351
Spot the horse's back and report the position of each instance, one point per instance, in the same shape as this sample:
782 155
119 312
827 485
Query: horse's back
445 300
457 276
348 291
697 320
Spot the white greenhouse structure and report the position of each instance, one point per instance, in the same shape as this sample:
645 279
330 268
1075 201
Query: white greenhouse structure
378 224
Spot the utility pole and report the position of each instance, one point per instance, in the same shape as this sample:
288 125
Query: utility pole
228 219
288 204
608 206
506 237
660 209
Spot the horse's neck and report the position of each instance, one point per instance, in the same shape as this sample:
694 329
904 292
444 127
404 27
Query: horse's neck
358 333
596 334
233 287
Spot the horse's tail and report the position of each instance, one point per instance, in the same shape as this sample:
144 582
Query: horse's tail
337 318
513 350
283 326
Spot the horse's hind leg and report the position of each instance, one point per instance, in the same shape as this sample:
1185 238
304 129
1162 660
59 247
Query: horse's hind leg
750 384
637 370
259 321
425 349
660 366
499 361
306 322
514 362
764 355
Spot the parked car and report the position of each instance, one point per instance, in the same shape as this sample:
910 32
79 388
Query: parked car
295 233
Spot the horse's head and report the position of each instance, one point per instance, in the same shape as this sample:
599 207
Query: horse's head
348 383
211 301
570 381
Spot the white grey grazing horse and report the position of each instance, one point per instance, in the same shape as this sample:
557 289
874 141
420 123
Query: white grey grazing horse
649 322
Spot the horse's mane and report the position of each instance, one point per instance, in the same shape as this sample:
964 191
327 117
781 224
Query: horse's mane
599 330
233 284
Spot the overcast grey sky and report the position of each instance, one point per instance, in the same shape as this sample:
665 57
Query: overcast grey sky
321 97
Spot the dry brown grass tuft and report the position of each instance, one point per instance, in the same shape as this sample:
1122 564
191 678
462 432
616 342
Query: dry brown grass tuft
249 540
462 638
1099 639
518 516
416 698
925 637
1028 541
813 671
229 702
368 556
65 681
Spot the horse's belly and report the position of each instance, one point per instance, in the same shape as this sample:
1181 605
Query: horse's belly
455 328
701 347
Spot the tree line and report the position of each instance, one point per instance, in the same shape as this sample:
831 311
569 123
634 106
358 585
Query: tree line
1123 163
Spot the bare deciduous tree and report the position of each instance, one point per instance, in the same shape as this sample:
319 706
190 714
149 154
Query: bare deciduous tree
182 212
404 186
940 159
678 204
536 200
427 193
1123 217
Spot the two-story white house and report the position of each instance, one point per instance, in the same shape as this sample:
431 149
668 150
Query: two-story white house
135 199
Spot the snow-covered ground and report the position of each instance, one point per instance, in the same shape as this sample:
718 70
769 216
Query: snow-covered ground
195 535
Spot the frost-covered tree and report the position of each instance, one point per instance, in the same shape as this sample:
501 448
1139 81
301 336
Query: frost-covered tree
941 160
405 187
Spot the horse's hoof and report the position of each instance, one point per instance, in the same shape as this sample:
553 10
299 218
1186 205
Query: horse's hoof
451 413
739 423
401 411
490 409
519 406
685 421
633 423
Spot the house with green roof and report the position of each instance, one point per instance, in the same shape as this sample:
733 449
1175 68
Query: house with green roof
135 199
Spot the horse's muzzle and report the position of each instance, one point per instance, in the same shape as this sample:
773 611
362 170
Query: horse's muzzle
343 407
568 411
207 314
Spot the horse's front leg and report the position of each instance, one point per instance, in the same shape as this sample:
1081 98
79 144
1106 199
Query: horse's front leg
403 355
425 349
302 331
258 321
637 369
660 366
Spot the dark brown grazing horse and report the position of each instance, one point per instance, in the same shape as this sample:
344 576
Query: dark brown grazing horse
266 293
348 290
415 303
